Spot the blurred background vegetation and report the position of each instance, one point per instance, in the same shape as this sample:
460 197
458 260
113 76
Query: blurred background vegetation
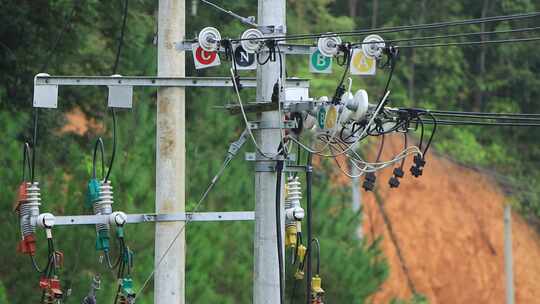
63 37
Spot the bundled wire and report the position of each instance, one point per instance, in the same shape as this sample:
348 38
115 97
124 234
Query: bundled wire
271 45
124 263
391 62
452 118
229 55
434 122
246 121
487 119
340 89
50 270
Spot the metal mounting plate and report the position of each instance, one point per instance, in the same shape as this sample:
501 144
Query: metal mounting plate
46 96
120 96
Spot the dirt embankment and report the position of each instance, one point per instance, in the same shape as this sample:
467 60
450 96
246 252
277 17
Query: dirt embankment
448 227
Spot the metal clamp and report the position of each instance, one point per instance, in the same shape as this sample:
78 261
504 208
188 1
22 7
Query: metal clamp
295 168
271 29
258 125
256 157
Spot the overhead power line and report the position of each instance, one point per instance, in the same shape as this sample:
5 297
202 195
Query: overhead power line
486 113
396 29
469 43
478 118
519 30
517 118
481 123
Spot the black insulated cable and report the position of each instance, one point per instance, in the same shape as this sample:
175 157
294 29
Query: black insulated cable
434 123
421 123
392 63
307 259
113 155
316 241
381 148
121 38
405 146
99 144
35 264
34 145
43 68
340 89
279 172
27 152
26 161
115 67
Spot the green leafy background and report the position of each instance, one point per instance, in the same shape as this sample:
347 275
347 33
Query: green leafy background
219 255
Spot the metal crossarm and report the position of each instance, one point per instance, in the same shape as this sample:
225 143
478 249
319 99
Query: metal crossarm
144 81
152 217
121 87
286 48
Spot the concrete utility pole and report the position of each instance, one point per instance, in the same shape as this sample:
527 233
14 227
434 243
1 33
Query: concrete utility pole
169 280
508 259
266 270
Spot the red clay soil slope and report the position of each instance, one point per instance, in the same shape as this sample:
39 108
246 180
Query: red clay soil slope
448 227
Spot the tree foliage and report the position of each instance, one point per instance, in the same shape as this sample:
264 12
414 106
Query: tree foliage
80 38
